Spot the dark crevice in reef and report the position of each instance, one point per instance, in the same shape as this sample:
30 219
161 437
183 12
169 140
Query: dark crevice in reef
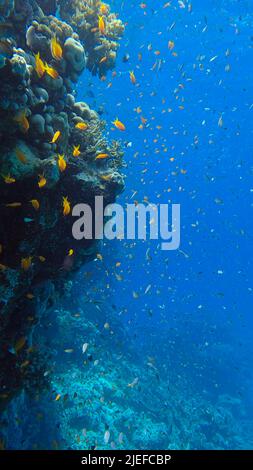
36 101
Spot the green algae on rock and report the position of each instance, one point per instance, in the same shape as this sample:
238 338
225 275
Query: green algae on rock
33 106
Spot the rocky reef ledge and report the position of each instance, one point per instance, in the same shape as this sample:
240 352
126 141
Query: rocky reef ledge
53 155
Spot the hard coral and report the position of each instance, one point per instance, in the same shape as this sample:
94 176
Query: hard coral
101 48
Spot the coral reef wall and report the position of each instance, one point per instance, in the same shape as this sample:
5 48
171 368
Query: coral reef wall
48 163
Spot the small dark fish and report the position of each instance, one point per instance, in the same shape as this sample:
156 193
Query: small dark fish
125 58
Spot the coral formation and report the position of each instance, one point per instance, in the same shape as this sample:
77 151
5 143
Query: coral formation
100 40
40 57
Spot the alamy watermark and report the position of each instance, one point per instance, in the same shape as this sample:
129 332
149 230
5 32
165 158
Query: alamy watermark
133 222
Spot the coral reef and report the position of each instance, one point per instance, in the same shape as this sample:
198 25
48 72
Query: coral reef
99 38
40 124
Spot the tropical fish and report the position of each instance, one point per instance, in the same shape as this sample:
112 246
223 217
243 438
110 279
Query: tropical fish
26 263
9 179
55 137
103 9
119 125
56 49
133 383
99 256
58 396
101 156
171 45
71 252
104 59
20 155
51 71
19 344
42 181
68 351
101 25
39 66
85 347
22 120
132 77
81 125
66 206
42 258
62 163
106 177
106 436
13 204
76 151
35 203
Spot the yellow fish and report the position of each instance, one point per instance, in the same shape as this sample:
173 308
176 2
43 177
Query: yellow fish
56 49
171 45
132 77
55 137
30 296
20 155
101 25
42 181
9 179
13 204
42 258
20 344
22 120
39 65
61 163
58 397
81 125
35 203
106 177
119 125
66 206
71 252
103 9
101 156
26 263
76 151
51 71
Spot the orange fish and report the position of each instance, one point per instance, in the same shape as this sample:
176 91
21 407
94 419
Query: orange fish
119 125
20 155
13 204
132 77
22 120
51 71
26 263
81 125
55 137
101 25
76 151
42 181
35 203
56 49
171 45
9 179
39 66
101 156
20 344
66 206
62 163
103 9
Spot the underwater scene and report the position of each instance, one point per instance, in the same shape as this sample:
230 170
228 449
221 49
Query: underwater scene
120 333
